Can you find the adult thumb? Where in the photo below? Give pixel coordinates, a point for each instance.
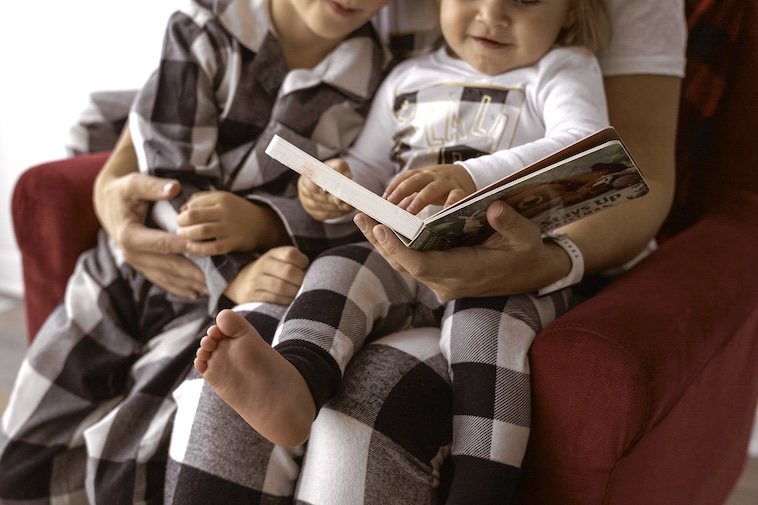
(150, 188)
(505, 220)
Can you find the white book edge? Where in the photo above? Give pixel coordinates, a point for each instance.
(344, 188)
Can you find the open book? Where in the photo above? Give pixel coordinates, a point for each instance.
(592, 174)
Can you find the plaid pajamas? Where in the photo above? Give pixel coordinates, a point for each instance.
(91, 413)
(382, 440)
(385, 438)
(351, 294)
(215, 456)
(222, 91)
(92, 407)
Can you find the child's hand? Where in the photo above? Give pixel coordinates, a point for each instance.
(319, 204)
(220, 222)
(275, 277)
(433, 185)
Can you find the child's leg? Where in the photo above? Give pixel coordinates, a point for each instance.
(255, 380)
(486, 341)
(215, 457)
(92, 398)
(349, 293)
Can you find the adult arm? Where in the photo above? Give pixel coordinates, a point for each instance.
(515, 260)
(644, 110)
(122, 198)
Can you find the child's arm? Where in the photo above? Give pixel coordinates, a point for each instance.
(433, 185)
(319, 204)
(220, 222)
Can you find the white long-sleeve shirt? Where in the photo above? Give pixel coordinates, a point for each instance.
(438, 109)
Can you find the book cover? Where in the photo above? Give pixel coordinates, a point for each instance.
(584, 178)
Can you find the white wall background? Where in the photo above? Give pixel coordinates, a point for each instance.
(53, 54)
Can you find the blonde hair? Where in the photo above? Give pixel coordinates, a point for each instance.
(591, 28)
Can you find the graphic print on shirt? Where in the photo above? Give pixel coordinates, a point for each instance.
(453, 122)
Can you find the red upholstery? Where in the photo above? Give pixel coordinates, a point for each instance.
(644, 394)
(54, 222)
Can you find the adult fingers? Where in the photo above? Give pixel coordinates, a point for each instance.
(174, 273)
(383, 240)
(139, 238)
(519, 232)
(149, 188)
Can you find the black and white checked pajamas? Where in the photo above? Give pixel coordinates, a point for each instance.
(91, 413)
(381, 440)
(384, 438)
(351, 295)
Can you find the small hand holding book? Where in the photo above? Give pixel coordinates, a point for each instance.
(586, 177)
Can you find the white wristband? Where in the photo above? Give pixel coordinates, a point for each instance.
(577, 263)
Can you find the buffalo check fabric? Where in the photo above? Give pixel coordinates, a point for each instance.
(100, 122)
(715, 30)
(350, 297)
(384, 436)
(222, 91)
(351, 294)
(92, 411)
(407, 28)
(89, 417)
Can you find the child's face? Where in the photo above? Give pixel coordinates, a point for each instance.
(495, 36)
(335, 19)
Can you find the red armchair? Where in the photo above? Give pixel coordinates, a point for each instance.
(644, 394)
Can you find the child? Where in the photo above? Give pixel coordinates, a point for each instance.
(232, 77)
(233, 73)
(498, 86)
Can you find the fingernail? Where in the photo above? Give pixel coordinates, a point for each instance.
(497, 207)
(380, 234)
(167, 188)
(360, 222)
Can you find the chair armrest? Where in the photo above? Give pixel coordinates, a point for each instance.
(54, 222)
(605, 373)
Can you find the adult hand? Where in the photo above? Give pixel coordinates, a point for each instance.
(514, 260)
(155, 253)
(275, 277)
(122, 198)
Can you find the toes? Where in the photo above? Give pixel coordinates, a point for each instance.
(201, 365)
(202, 354)
(208, 343)
(215, 333)
(233, 324)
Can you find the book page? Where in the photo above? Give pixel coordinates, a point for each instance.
(553, 196)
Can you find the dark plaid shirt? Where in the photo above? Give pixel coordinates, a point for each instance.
(715, 27)
(222, 91)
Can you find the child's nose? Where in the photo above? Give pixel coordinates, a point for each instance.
(494, 12)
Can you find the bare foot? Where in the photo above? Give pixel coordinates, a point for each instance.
(256, 381)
